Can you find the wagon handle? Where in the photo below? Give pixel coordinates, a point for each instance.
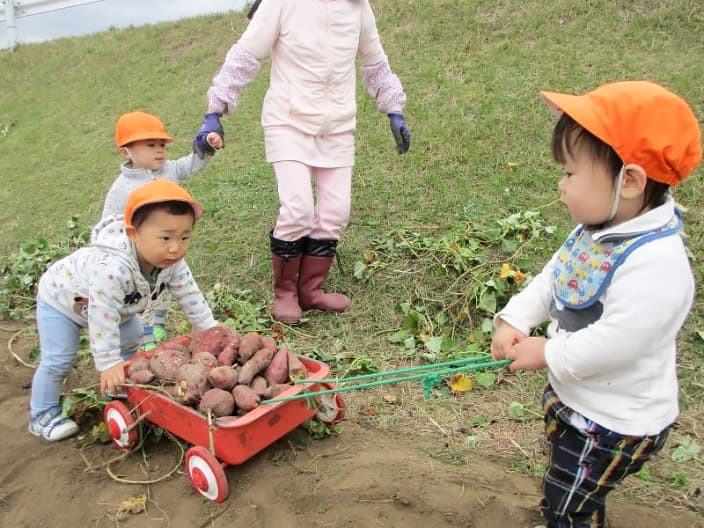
(445, 372)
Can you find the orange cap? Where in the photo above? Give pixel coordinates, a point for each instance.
(156, 191)
(643, 122)
(134, 126)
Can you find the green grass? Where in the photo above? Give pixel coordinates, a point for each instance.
(472, 71)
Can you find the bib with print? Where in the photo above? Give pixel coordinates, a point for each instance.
(584, 267)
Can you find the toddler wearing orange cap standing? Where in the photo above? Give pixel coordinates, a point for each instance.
(615, 294)
(105, 287)
(142, 139)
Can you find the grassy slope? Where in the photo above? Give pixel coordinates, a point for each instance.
(472, 71)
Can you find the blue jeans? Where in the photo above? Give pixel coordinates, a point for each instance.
(58, 345)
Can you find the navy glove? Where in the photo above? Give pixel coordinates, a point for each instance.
(211, 123)
(400, 132)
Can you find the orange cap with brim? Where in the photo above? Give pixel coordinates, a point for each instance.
(157, 191)
(643, 122)
(136, 126)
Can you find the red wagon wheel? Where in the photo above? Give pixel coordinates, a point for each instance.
(206, 474)
(118, 419)
(331, 407)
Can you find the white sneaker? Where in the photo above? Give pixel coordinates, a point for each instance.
(52, 427)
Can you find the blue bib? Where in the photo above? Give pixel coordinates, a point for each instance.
(584, 267)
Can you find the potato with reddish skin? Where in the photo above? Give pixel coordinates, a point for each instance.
(259, 385)
(220, 402)
(269, 342)
(223, 377)
(166, 361)
(192, 382)
(229, 354)
(277, 370)
(248, 346)
(142, 377)
(138, 364)
(212, 340)
(296, 369)
(259, 361)
(206, 359)
(245, 398)
(272, 391)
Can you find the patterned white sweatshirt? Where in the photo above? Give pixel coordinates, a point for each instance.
(101, 286)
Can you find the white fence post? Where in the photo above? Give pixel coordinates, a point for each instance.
(11, 23)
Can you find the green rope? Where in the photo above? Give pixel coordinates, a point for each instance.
(460, 361)
(431, 376)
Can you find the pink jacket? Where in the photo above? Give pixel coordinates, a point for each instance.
(313, 46)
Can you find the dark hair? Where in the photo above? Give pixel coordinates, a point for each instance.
(568, 133)
(174, 207)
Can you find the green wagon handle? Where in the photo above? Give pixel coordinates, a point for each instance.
(474, 359)
(436, 375)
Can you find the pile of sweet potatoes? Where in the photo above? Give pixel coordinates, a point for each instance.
(221, 371)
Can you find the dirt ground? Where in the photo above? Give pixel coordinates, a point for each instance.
(364, 477)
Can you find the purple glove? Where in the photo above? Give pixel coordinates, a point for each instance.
(400, 132)
(211, 123)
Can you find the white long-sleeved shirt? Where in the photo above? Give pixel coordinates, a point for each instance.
(619, 370)
(101, 286)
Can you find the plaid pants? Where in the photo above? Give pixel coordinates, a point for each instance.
(586, 463)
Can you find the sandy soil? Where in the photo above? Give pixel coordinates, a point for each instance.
(362, 478)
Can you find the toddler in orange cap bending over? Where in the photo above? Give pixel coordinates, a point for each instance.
(615, 294)
(104, 287)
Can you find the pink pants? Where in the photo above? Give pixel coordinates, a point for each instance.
(299, 215)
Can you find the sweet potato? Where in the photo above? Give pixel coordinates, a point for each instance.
(277, 370)
(220, 402)
(166, 361)
(259, 361)
(212, 340)
(229, 354)
(245, 398)
(269, 342)
(192, 382)
(206, 359)
(248, 346)
(223, 377)
(137, 364)
(272, 391)
(142, 377)
(296, 369)
(259, 385)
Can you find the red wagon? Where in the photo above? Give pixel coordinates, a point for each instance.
(225, 441)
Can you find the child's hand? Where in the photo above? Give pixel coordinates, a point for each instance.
(505, 338)
(205, 141)
(529, 354)
(214, 140)
(112, 379)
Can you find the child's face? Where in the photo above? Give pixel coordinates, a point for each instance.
(586, 188)
(146, 153)
(162, 239)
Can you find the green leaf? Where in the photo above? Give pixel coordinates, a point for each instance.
(399, 336)
(359, 268)
(487, 326)
(487, 302)
(687, 450)
(485, 379)
(435, 344)
(410, 343)
(517, 411)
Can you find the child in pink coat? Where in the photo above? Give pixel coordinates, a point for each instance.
(309, 118)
